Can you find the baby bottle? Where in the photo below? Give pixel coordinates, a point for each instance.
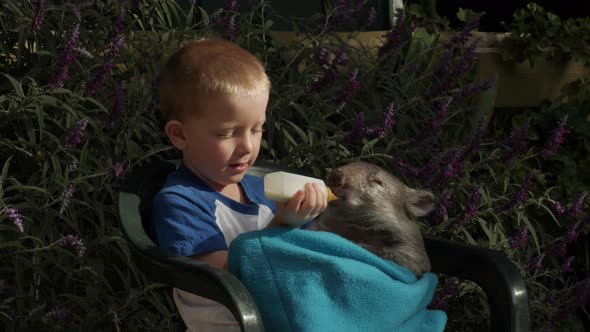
(281, 186)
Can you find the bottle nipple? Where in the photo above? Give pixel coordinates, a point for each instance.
(331, 196)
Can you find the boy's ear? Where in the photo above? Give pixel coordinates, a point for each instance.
(175, 132)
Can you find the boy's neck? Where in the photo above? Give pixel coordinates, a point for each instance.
(235, 192)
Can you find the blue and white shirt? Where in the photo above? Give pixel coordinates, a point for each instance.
(190, 218)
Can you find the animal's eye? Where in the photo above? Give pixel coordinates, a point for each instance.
(374, 178)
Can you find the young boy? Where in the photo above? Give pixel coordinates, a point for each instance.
(214, 96)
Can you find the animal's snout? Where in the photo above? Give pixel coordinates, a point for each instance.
(335, 178)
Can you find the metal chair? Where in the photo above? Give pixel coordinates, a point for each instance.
(491, 270)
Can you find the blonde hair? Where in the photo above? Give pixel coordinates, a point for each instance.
(205, 67)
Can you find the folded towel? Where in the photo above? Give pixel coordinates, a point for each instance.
(318, 281)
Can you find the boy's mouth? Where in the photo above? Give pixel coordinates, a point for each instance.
(239, 166)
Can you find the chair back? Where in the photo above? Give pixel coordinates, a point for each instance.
(135, 202)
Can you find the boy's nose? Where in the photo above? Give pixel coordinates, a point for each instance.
(246, 144)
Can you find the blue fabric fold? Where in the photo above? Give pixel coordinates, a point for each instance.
(318, 281)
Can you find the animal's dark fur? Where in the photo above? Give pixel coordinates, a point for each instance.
(376, 211)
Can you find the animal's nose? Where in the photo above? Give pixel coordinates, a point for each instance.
(335, 178)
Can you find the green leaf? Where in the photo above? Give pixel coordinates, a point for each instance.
(16, 86)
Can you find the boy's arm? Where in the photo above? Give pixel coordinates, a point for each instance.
(305, 205)
(213, 258)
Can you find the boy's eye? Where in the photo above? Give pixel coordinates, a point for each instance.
(225, 134)
(258, 130)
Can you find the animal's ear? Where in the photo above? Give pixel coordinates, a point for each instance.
(420, 202)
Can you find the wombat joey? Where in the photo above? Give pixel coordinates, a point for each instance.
(376, 211)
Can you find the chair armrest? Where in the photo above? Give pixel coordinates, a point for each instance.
(497, 275)
(182, 272)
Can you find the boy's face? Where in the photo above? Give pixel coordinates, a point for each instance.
(223, 140)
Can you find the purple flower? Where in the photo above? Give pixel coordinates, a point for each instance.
(471, 209)
(60, 313)
(567, 265)
(118, 106)
(232, 6)
(39, 15)
(322, 55)
(453, 166)
(119, 24)
(350, 90)
(574, 211)
(403, 165)
(372, 16)
(441, 211)
(232, 29)
(340, 57)
(557, 138)
(340, 15)
(432, 131)
(475, 88)
(519, 196)
(360, 129)
(429, 171)
(559, 249)
(441, 297)
(516, 144)
(463, 35)
(76, 11)
(320, 84)
(536, 263)
(388, 121)
(329, 76)
(65, 59)
(572, 233)
(77, 135)
(66, 197)
(441, 114)
(562, 210)
(16, 218)
(73, 242)
(118, 169)
(226, 17)
(519, 239)
(96, 83)
(475, 142)
(398, 35)
(457, 60)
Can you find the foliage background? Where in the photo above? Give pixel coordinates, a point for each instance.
(78, 110)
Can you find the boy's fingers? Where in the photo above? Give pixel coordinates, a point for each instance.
(295, 202)
(310, 198)
(320, 201)
(323, 200)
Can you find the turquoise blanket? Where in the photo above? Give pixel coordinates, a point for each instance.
(318, 281)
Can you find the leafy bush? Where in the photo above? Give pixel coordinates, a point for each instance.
(78, 111)
(536, 32)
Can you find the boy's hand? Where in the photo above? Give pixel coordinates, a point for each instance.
(303, 206)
